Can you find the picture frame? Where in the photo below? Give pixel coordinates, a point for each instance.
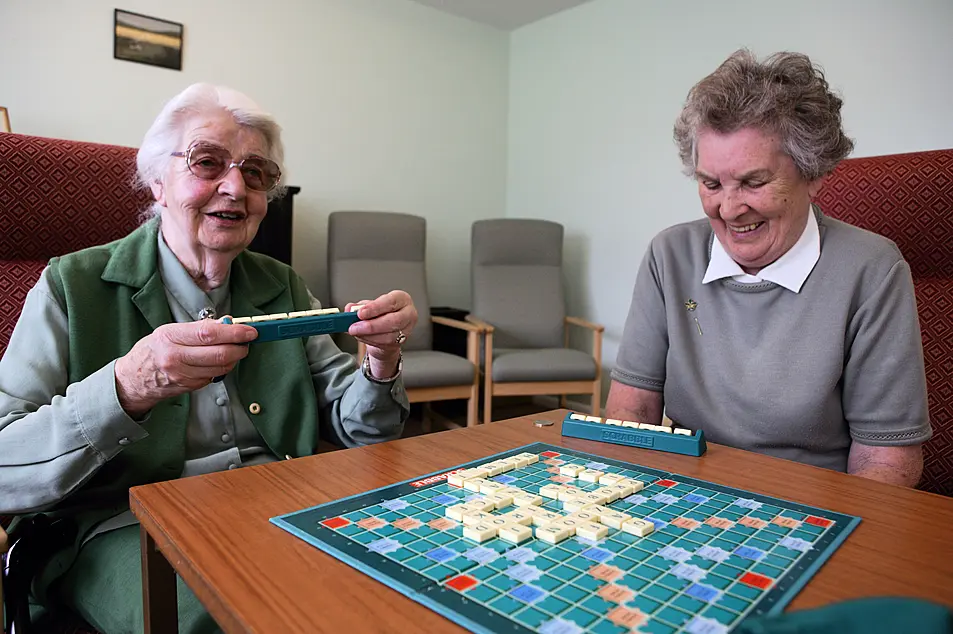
(5, 120)
(147, 40)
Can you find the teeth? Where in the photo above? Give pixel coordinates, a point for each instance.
(746, 228)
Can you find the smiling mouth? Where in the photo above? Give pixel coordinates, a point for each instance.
(227, 215)
(746, 228)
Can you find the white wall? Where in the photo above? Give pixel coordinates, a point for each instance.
(386, 104)
(594, 93)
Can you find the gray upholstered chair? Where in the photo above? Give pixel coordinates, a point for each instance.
(518, 298)
(371, 253)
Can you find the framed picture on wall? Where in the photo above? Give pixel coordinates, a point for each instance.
(147, 40)
(4, 120)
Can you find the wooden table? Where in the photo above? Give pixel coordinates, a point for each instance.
(254, 577)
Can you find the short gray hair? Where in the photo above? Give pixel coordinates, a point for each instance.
(786, 95)
(164, 135)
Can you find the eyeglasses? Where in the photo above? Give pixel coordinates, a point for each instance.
(210, 162)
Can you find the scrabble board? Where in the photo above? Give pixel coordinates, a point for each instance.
(619, 548)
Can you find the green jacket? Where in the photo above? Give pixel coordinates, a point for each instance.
(114, 296)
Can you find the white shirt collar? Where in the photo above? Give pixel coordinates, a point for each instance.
(790, 270)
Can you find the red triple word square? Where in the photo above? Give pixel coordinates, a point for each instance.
(755, 580)
(462, 583)
(335, 522)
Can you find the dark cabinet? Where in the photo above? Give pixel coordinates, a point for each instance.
(274, 233)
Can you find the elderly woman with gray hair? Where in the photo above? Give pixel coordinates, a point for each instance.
(769, 325)
(109, 378)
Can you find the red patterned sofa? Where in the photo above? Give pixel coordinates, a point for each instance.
(909, 199)
(58, 196)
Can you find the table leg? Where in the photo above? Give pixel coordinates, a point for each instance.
(159, 609)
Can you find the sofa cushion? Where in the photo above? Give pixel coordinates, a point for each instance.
(546, 364)
(430, 368)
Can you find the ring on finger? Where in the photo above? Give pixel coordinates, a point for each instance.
(401, 338)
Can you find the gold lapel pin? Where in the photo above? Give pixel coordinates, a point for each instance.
(690, 306)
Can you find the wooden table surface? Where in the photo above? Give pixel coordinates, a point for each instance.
(254, 577)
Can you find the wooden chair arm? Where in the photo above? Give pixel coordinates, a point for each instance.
(476, 321)
(576, 321)
(456, 323)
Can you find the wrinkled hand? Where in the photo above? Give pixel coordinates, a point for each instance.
(178, 358)
(381, 321)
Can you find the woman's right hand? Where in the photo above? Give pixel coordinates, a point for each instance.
(178, 358)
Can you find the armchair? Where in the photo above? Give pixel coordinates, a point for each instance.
(518, 298)
(56, 196)
(909, 199)
(371, 253)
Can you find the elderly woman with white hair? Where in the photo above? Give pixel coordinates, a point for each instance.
(109, 378)
(769, 325)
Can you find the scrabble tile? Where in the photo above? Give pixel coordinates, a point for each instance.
(630, 423)
(457, 511)
(489, 486)
(474, 484)
(593, 419)
(613, 421)
(527, 499)
(480, 532)
(574, 504)
(571, 470)
(569, 492)
(530, 457)
(515, 533)
(682, 432)
(457, 479)
(503, 465)
(614, 519)
(550, 491)
(577, 417)
(609, 478)
(586, 515)
(500, 500)
(475, 517)
(590, 475)
(519, 516)
(494, 468)
(552, 534)
(481, 505)
(591, 530)
(542, 517)
(637, 485)
(638, 527)
(594, 498)
(611, 494)
(569, 523)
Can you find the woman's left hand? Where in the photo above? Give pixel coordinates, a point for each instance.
(385, 323)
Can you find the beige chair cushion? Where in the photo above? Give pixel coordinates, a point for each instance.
(429, 368)
(547, 364)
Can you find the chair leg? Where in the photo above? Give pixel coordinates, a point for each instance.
(488, 379)
(473, 406)
(426, 418)
(564, 402)
(487, 402)
(596, 396)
